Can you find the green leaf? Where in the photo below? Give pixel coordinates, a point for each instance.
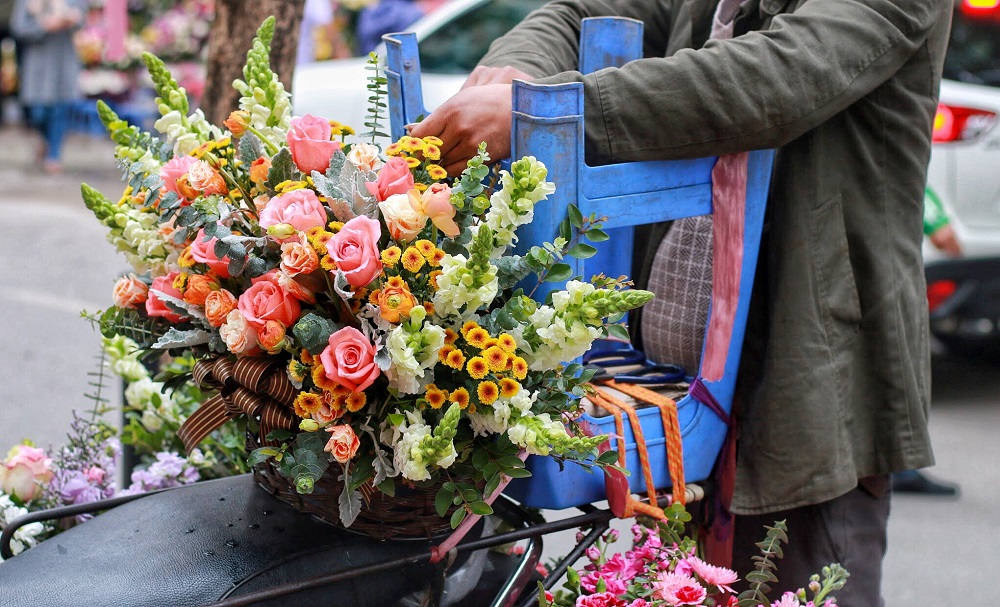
(313, 332)
(388, 487)
(250, 148)
(582, 251)
(575, 216)
(481, 508)
(260, 455)
(457, 517)
(559, 272)
(596, 235)
(442, 500)
(517, 473)
(280, 435)
(618, 331)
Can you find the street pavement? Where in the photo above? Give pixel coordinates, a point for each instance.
(54, 262)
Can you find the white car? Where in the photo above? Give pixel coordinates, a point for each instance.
(964, 172)
(452, 38)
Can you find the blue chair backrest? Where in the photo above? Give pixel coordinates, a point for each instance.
(548, 123)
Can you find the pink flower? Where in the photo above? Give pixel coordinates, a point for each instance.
(130, 291)
(393, 178)
(349, 360)
(787, 600)
(300, 209)
(601, 599)
(267, 300)
(239, 336)
(435, 203)
(25, 472)
(365, 157)
(617, 573)
(203, 251)
(309, 142)
(175, 168)
(205, 179)
(95, 474)
(343, 443)
(355, 250)
(639, 603)
(720, 577)
(677, 589)
(155, 306)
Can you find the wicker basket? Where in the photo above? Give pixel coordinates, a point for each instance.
(259, 389)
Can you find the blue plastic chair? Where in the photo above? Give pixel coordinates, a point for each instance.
(548, 124)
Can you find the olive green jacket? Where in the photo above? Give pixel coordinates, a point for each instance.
(835, 384)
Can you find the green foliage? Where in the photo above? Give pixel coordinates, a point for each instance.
(313, 332)
(764, 566)
(376, 99)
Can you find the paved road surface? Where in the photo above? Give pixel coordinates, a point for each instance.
(54, 262)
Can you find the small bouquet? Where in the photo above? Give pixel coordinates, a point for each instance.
(387, 296)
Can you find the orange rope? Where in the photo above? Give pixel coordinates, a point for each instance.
(671, 429)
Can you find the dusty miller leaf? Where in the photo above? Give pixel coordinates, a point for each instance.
(175, 338)
(350, 500)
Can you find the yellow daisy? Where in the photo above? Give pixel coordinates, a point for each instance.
(307, 403)
(436, 397)
(186, 260)
(519, 367)
(393, 149)
(321, 380)
(432, 140)
(477, 367)
(355, 401)
(509, 387)
(507, 342)
(412, 259)
(487, 392)
(297, 370)
(460, 397)
(468, 326)
(432, 152)
(455, 359)
(425, 247)
(327, 263)
(412, 163)
(436, 171)
(477, 337)
(390, 256)
(450, 336)
(496, 358)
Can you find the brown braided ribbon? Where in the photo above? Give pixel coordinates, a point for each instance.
(250, 386)
(672, 434)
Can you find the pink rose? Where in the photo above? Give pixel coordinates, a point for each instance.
(355, 250)
(343, 443)
(25, 472)
(309, 142)
(300, 209)
(435, 203)
(349, 360)
(394, 178)
(239, 336)
(203, 251)
(175, 168)
(130, 291)
(267, 300)
(165, 285)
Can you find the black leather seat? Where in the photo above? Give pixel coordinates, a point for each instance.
(201, 543)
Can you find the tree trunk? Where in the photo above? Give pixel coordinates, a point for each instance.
(236, 22)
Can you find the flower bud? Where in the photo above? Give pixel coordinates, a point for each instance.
(304, 484)
(237, 122)
(308, 425)
(281, 231)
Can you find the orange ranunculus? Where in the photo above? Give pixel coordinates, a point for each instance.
(259, 169)
(198, 288)
(130, 291)
(343, 443)
(217, 305)
(395, 301)
(272, 336)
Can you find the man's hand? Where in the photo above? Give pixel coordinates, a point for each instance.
(494, 75)
(945, 240)
(474, 115)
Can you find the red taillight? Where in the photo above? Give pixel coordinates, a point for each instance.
(955, 123)
(938, 292)
(980, 8)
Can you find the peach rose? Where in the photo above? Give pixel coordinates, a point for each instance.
(309, 142)
(240, 337)
(343, 443)
(25, 472)
(365, 157)
(300, 209)
(272, 337)
(355, 250)
(267, 300)
(218, 304)
(203, 251)
(349, 360)
(395, 301)
(198, 288)
(403, 215)
(205, 179)
(298, 258)
(259, 169)
(130, 291)
(394, 178)
(155, 306)
(173, 170)
(435, 203)
(298, 290)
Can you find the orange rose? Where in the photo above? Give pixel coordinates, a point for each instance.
(343, 443)
(217, 305)
(298, 258)
(259, 169)
(395, 301)
(130, 292)
(198, 288)
(184, 188)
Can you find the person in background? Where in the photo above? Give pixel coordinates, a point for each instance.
(316, 17)
(834, 385)
(50, 68)
(384, 17)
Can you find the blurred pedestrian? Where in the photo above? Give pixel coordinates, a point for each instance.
(384, 17)
(834, 386)
(50, 68)
(316, 18)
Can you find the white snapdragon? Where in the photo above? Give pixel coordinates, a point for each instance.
(413, 348)
(27, 535)
(513, 205)
(461, 289)
(500, 416)
(407, 455)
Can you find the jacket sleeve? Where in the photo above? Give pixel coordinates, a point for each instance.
(23, 25)
(558, 25)
(759, 90)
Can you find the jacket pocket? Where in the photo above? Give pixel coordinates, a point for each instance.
(838, 291)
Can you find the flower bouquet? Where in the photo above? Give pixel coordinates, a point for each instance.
(364, 313)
